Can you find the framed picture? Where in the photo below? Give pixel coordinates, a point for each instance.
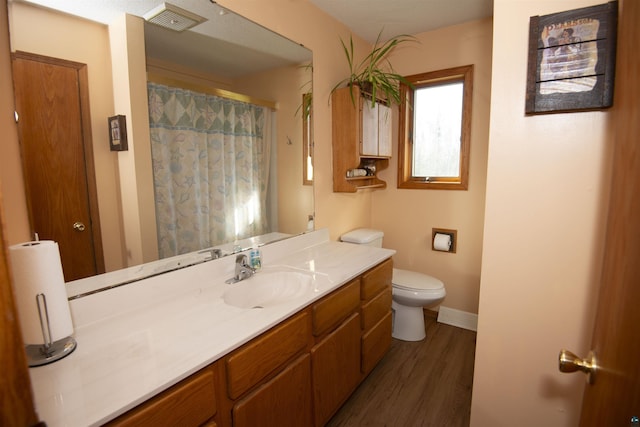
(572, 59)
(118, 133)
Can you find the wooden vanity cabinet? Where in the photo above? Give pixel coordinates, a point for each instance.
(361, 137)
(298, 373)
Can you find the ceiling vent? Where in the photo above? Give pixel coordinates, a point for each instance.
(172, 17)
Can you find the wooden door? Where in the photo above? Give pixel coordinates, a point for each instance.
(54, 132)
(614, 398)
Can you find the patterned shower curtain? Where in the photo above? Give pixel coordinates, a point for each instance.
(210, 168)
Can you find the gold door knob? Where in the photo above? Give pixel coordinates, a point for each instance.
(78, 226)
(569, 362)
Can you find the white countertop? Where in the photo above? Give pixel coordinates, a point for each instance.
(137, 340)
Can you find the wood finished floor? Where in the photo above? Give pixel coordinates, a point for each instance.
(425, 383)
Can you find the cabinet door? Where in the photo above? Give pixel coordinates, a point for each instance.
(284, 401)
(369, 124)
(375, 343)
(335, 367)
(384, 130)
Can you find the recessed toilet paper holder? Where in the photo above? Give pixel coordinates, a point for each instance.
(452, 233)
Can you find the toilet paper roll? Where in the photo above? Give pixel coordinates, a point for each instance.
(442, 242)
(37, 269)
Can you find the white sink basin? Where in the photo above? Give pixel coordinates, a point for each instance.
(267, 289)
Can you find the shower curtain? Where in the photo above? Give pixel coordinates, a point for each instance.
(210, 168)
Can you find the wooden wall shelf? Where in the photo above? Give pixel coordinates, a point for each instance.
(349, 128)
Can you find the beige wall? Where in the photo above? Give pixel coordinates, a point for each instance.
(126, 37)
(407, 216)
(58, 36)
(544, 222)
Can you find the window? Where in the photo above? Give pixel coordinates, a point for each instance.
(435, 127)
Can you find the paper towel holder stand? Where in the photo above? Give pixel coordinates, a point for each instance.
(450, 232)
(50, 351)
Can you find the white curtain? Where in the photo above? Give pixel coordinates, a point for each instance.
(210, 166)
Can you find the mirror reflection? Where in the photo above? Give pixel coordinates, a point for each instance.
(215, 159)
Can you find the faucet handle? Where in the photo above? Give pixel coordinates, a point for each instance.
(243, 260)
(213, 253)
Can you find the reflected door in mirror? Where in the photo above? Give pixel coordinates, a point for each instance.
(53, 128)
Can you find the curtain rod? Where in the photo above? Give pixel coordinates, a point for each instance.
(173, 82)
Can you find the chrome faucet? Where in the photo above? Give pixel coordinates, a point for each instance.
(243, 269)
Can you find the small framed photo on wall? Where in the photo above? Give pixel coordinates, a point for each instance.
(572, 59)
(118, 133)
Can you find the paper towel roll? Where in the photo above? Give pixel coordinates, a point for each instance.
(442, 242)
(37, 268)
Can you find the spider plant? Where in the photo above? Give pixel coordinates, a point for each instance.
(374, 74)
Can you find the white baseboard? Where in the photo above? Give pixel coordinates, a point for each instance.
(461, 319)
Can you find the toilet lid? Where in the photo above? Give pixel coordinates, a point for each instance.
(414, 280)
(361, 236)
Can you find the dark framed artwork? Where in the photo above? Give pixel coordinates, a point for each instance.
(118, 133)
(572, 59)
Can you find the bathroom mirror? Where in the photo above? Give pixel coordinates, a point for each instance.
(222, 51)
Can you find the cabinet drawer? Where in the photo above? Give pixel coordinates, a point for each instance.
(375, 343)
(376, 309)
(257, 359)
(191, 402)
(284, 401)
(376, 279)
(333, 309)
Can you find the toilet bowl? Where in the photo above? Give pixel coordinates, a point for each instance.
(411, 291)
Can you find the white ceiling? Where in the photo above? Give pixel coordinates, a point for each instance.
(368, 18)
(365, 18)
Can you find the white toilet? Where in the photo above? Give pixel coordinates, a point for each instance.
(411, 291)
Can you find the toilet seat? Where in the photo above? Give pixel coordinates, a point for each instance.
(414, 281)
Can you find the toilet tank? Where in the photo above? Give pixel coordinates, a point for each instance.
(364, 236)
